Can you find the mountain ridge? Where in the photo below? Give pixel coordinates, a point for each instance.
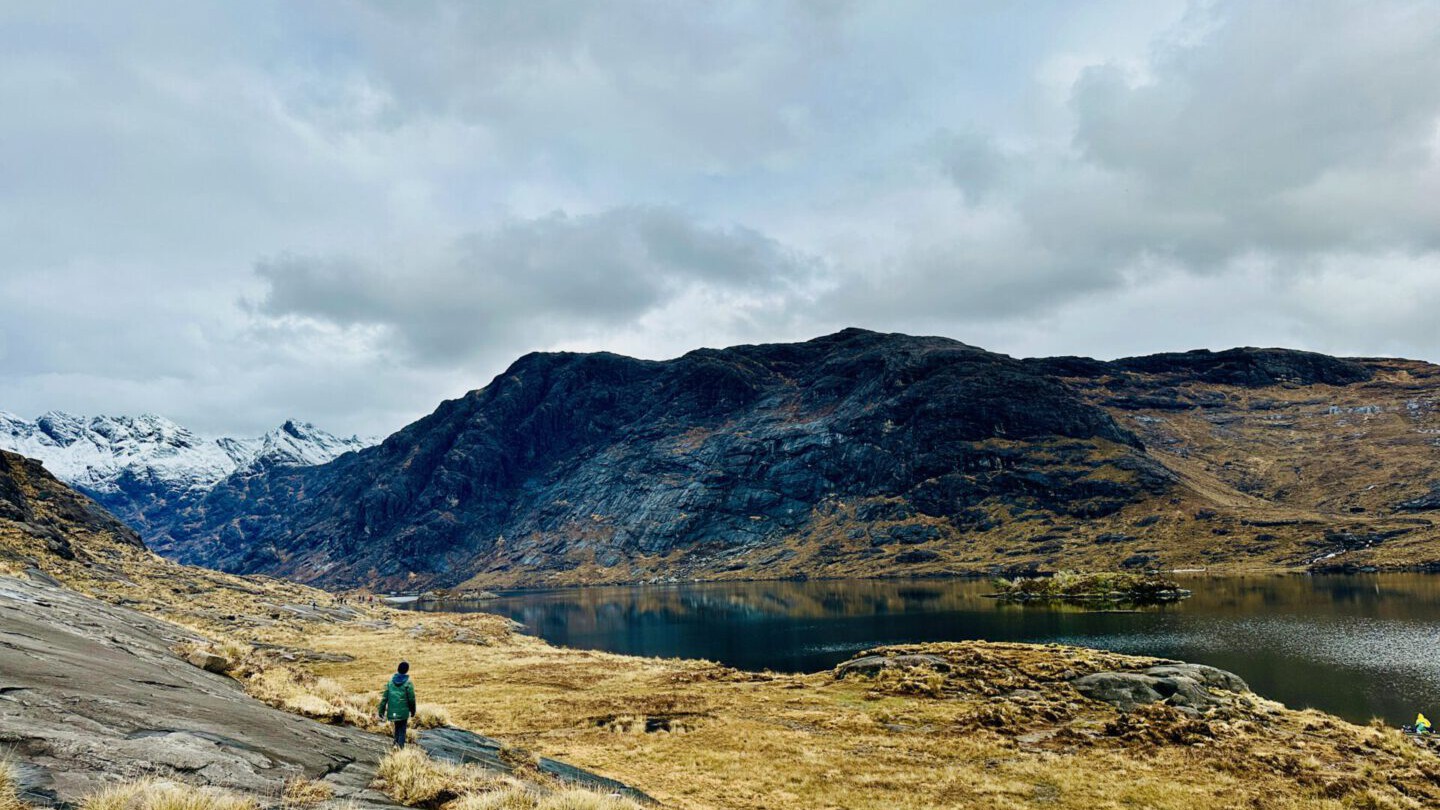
(855, 454)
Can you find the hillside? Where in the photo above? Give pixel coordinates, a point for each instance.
(852, 452)
(52, 534)
(1288, 458)
(179, 686)
(857, 454)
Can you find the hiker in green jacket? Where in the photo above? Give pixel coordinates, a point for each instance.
(397, 702)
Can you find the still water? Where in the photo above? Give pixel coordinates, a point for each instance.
(1358, 646)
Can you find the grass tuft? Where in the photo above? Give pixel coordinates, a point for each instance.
(159, 794)
(302, 792)
(411, 777)
(428, 715)
(9, 790)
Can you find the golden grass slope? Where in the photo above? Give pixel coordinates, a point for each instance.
(1291, 476)
(1002, 729)
(164, 794)
(107, 564)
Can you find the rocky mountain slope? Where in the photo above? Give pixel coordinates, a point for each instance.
(857, 447)
(144, 468)
(120, 666)
(857, 454)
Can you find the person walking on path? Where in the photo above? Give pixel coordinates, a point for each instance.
(397, 702)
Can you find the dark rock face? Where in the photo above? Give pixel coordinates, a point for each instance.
(1247, 367)
(568, 460)
(1426, 502)
(24, 482)
(1253, 367)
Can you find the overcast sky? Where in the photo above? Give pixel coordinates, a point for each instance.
(234, 213)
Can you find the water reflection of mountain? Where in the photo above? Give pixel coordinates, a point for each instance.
(1340, 643)
(755, 599)
(1392, 596)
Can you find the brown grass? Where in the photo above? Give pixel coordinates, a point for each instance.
(527, 799)
(160, 794)
(917, 739)
(302, 792)
(412, 778)
(9, 791)
(296, 689)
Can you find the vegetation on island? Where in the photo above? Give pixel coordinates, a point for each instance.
(1071, 586)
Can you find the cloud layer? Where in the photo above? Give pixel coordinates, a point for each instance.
(347, 211)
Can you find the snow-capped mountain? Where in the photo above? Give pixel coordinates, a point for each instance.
(150, 471)
(96, 453)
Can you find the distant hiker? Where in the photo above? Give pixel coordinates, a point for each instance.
(397, 702)
(1422, 723)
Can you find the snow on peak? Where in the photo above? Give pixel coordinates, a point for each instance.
(96, 453)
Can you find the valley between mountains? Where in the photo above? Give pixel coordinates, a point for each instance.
(853, 454)
(132, 681)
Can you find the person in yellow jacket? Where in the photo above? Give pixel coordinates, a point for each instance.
(1422, 723)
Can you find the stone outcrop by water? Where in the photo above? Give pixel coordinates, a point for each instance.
(1182, 685)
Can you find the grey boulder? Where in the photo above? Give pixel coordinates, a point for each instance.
(873, 664)
(1212, 677)
(1181, 685)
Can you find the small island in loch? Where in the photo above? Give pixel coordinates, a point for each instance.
(1101, 587)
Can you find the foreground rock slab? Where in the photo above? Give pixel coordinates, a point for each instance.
(91, 694)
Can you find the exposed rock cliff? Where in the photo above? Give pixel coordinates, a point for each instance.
(566, 461)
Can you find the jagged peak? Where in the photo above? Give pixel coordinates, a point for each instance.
(96, 452)
(297, 429)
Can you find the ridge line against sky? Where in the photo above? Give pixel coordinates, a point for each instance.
(345, 212)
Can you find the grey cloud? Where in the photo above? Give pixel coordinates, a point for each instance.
(534, 281)
(949, 167)
(1286, 132)
(598, 86)
(1245, 139)
(973, 162)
